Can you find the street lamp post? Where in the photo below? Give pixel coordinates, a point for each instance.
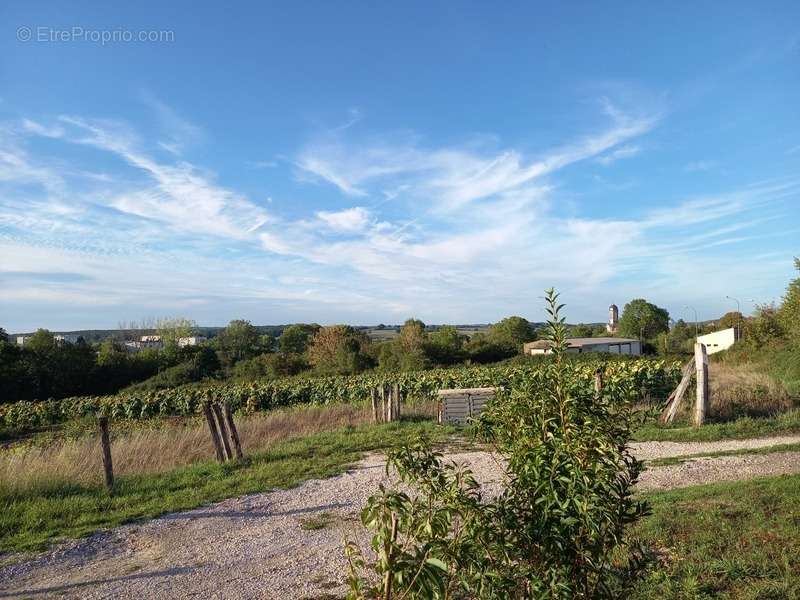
(738, 315)
(696, 330)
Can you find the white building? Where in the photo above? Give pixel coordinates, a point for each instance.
(59, 338)
(146, 341)
(612, 345)
(191, 341)
(718, 341)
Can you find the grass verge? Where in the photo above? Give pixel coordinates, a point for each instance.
(676, 460)
(32, 517)
(743, 428)
(730, 540)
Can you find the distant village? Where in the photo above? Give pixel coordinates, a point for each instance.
(143, 343)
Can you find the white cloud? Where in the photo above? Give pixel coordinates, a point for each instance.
(453, 233)
(348, 220)
(182, 196)
(452, 178)
(39, 129)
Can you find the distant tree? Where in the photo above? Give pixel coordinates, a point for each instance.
(269, 366)
(789, 312)
(296, 338)
(642, 320)
(412, 335)
(512, 333)
(3, 335)
(482, 348)
(15, 375)
(339, 350)
(205, 362)
(172, 329)
(446, 345)
(585, 330)
(408, 351)
(41, 342)
(729, 319)
(238, 341)
(765, 327)
(677, 341)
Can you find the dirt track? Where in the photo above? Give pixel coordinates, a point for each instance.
(254, 546)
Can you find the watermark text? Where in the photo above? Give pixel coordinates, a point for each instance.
(42, 34)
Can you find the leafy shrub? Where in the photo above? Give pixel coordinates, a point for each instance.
(557, 530)
(270, 365)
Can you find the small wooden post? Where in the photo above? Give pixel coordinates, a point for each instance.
(598, 382)
(374, 397)
(701, 364)
(106, 444)
(212, 427)
(387, 403)
(237, 444)
(223, 431)
(396, 405)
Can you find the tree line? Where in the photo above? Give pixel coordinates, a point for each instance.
(45, 367)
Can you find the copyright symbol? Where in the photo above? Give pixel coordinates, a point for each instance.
(24, 34)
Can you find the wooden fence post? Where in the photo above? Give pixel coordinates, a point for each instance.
(373, 394)
(223, 431)
(387, 402)
(237, 444)
(212, 427)
(598, 382)
(396, 404)
(106, 444)
(674, 401)
(701, 364)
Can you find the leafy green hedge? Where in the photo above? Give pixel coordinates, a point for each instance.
(653, 377)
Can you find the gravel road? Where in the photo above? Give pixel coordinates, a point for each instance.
(254, 546)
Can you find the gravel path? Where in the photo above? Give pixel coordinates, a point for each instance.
(652, 450)
(255, 547)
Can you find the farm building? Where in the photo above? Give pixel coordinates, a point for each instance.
(191, 341)
(719, 340)
(613, 345)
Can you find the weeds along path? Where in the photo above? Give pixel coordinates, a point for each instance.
(288, 543)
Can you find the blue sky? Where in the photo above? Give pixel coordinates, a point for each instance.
(366, 162)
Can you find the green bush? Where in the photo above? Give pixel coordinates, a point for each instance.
(557, 529)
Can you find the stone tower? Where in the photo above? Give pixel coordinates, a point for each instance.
(613, 319)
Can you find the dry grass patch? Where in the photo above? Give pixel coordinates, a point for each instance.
(741, 391)
(173, 443)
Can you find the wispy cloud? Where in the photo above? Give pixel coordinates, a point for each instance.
(349, 220)
(411, 230)
(453, 178)
(181, 195)
(619, 153)
(180, 132)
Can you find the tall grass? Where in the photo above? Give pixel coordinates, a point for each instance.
(743, 391)
(170, 444)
